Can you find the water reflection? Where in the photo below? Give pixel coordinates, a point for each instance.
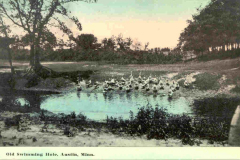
(110, 97)
(98, 105)
(95, 96)
(88, 94)
(121, 96)
(136, 95)
(129, 96)
(21, 101)
(154, 96)
(105, 97)
(79, 95)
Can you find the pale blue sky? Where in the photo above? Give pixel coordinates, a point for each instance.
(158, 22)
(138, 8)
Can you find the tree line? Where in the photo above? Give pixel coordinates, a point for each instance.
(116, 49)
(215, 27)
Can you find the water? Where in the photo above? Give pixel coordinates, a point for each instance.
(98, 106)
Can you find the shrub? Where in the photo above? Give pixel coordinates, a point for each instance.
(20, 121)
(9, 122)
(109, 55)
(212, 129)
(157, 123)
(70, 131)
(72, 120)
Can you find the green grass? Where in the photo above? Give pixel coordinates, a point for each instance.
(236, 89)
(207, 81)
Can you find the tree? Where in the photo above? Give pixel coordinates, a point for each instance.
(47, 43)
(124, 44)
(166, 49)
(137, 45)
(217, 24)
(146, 46)
(109, 43)
(35, 17)
(6, 41)
(86, 41)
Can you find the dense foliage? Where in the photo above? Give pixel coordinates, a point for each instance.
(120, 57)
(157, 123)
(216, 26)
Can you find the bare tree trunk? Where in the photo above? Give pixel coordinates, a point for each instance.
(32, 50)
(10, 59)
(37, 51)
(37, 57)
(32, 55)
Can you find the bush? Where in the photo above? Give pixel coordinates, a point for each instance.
(70, 131)
(119, 57)
(20, 121)
(79, 121)
(9, 122)
(157, 123)
(215, 130)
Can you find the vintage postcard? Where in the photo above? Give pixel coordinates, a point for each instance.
(119, 79)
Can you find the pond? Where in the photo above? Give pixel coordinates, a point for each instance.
(97, 106)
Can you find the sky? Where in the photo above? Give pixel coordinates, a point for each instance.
(158, 22)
